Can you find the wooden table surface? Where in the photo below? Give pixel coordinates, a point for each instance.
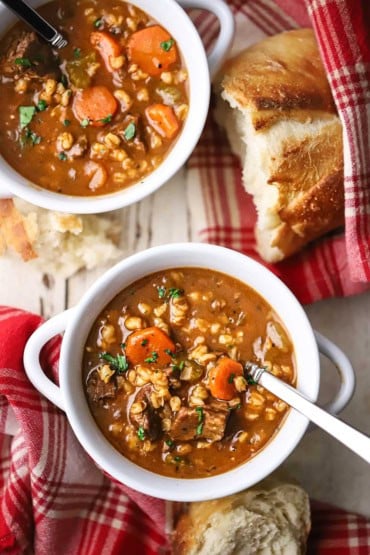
(326, 469)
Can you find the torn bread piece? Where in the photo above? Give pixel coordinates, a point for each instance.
(55, 242)
(275, 104)
(272, 518)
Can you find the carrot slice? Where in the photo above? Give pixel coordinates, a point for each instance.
(107, 47)
(95, 106)
(149, 345)
(221, 378)
(152, 49)
(163, 119)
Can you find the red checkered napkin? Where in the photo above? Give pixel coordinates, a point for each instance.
(340, 264)
(55, 501)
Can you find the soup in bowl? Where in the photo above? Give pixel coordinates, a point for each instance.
(110, 117)
(152, 376)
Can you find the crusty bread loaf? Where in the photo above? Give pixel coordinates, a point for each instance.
(272, 518)
(54, 242)
(276, 106)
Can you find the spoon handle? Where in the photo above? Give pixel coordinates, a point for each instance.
(38, 23)
(353, 439)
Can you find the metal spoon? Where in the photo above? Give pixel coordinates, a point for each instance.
(358, 442)
(38, 23)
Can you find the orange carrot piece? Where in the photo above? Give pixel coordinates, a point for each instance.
(95, 106)
(152, 49)
(163, 120)
(150, 343)
(107, 47)
(221, 378)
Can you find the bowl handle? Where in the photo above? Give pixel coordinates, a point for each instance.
(227, 27)
(31, 357)
(345, 371)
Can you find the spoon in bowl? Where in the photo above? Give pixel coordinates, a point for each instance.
(358, 442)
(38, 23)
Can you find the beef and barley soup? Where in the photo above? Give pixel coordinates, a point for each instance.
(101, 113)
(163, 372)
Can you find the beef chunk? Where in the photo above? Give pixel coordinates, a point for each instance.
(79, 148)
(186, 423)
(36, 57)
(149, 419)
(135, 142)
(98, 391)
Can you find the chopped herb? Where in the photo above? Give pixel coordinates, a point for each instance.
(174, 293)
(169, 442)
(123, 346)
(42, 105)
(117, 363)
(107, 119)
(178, 367)
(141, 433)
(24, 62)
(130, 131)
(167, 45)
(231, 378)
(62, 156)
(26, 114)
(77, 53)
(67, 122)
(64, 81)
(98, 23)
(169, 353)
(161, 291)
(28, 137)
(178, 459)
(199, 429)
(144, 342)
(85, 122)
(152, 358)
(250, 380)
(182, 364)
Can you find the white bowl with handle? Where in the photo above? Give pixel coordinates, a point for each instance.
(171, 15)
(77, 322)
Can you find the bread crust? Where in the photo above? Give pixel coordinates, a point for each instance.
(280, 86)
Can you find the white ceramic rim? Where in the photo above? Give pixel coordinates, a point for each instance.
(105, 289)
(171, 15)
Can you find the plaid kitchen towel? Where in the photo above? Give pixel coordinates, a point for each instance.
(55, 501)
(338, 265)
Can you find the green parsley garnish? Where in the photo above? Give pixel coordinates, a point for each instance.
(178, 459)
(64, 81)
(77, 53)
(29, 137)
(62, 156)
(230, 379)
(24, 62)
(161, 291)
(98, 23)
(199, 429)
(107, 119)
(144, 342)
(26, 114)
(42, 105)
(117, 363)
(152, 358)
(67, 122)
(141, 433)
(169, 442)
(85, 122)
(174, 293)
(130, 131)
(250, 380)
(169, 353)
(167, 45)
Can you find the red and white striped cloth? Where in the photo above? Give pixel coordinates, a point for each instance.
(338, 265)
(54, 500)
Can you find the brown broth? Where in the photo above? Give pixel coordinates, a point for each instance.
(223, 301)
(54, 167)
